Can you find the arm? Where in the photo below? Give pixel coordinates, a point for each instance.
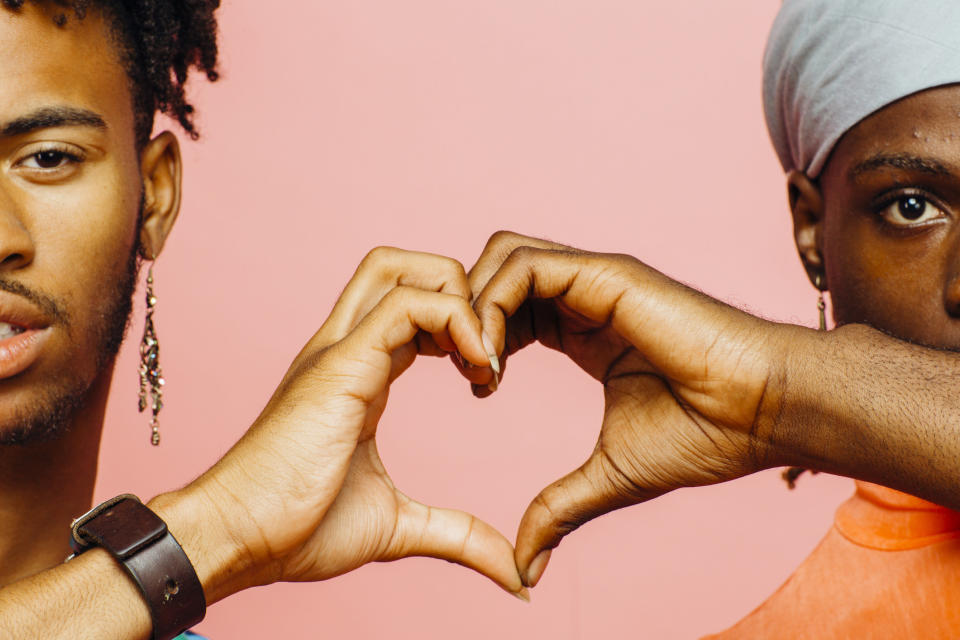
(698, 392)
(88, 598)
(859, 403)
(91, 597)
(303, 495)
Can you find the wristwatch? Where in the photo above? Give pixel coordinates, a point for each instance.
(140, 541)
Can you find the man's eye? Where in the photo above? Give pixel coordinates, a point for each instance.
(49, 159)
(911, 210)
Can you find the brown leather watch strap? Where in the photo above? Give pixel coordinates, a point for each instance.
(140, 541)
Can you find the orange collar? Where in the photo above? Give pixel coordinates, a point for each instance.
(880, 518)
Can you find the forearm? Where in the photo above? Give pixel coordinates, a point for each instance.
(857, 402)
(93, 597)
(89, 597)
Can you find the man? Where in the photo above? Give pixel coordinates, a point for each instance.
(83, 192)
(696, 392)
(864, 110)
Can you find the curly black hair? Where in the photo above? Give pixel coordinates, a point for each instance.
(159, 41)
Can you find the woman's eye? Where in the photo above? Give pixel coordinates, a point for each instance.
(911, 210)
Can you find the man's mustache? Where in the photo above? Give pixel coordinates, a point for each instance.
(53, 310)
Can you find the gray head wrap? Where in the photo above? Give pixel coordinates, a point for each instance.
(831, 63)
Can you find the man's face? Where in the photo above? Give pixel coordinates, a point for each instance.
(891, 229)
(70, 190)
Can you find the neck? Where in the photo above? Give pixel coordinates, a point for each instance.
(43, 486)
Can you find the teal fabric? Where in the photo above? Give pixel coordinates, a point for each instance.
(189, 635)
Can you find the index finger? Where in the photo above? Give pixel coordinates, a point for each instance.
(382, 270)
(587, 283)
(497, 250)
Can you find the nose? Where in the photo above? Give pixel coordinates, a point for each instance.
(951, 296)
(16, 244)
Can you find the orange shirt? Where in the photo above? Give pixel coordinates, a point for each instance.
(888, 568)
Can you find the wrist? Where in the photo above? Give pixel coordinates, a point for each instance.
(221, 563)
(803, 430)
(786, 436)
(140, 541)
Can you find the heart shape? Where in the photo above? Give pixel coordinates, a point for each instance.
(655, 435)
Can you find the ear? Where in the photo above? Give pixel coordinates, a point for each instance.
(160, 169)
(806, 205)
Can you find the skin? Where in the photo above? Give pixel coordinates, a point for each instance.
(274, 507)
(60, 215)
(78, 217)
(880, 229)
(697, 392)
(883, 269)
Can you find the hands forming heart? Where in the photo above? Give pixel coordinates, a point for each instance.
(304, 494)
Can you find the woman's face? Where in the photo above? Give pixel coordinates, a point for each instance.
(889, 235)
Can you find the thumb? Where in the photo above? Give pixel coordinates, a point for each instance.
(460, 537)
(582, 495)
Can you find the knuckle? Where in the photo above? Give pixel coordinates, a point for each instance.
(398, 296)
(616, 268)
(503, 238)
(450, 306)
(454, 267)
(379, 254)
(379, 258)
(620, 259)
(614, 257)
(482, 300)
(460, 305)
(523, 254)
(562, 520)
(545, 503)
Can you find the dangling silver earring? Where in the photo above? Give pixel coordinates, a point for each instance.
(151, 376)
(821, 305)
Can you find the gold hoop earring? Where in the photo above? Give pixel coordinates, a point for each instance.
(151, 376)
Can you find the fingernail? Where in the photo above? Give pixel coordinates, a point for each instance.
(494, 360)
(535, 570)
(523, 594)
(491, 352)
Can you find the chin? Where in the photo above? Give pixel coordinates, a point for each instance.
(32, 415)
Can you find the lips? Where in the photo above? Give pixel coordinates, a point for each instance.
(20, 351)
(23, 333)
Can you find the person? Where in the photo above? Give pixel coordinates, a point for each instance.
(862, 105)
(697, 392)
(885, 136)
(85, 194)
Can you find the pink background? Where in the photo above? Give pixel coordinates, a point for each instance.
(629, 126)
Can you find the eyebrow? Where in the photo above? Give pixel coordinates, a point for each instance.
(906, 161)
(47, 117)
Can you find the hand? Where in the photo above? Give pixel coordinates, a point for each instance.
(685, 377)
(304, 494)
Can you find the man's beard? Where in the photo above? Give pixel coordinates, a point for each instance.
(50, 416)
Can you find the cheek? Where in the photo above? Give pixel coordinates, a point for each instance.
(84, 233)
(891, 282)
